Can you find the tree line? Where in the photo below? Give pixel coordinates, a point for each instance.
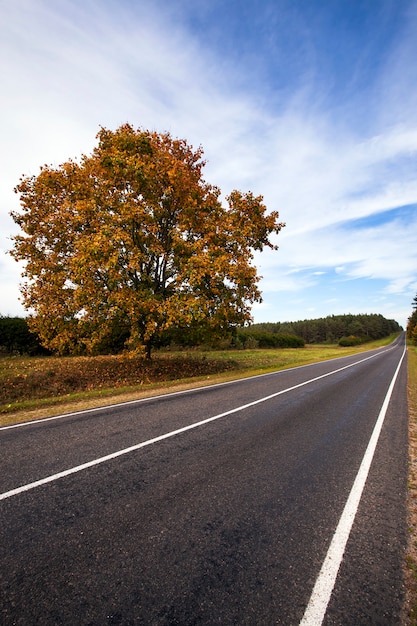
(17, 338)
(333, 329)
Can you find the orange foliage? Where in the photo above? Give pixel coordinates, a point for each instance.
(133, 237)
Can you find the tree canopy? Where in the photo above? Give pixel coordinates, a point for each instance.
(133, 238)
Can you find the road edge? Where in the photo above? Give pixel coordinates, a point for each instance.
(410, 565)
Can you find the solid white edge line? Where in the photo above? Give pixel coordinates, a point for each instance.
(177, 393)
(323, 588)
(79, 468)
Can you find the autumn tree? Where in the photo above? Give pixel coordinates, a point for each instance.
(133, 238)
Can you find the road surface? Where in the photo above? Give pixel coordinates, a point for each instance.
(219, 505)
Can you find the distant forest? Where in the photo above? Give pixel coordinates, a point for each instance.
(16, 338)
(331, 329)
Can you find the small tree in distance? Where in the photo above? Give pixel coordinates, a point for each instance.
(132, 237)
(412, 322)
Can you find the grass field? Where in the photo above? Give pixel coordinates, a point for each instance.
(35, 387)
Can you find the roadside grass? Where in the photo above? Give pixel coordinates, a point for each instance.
(30, 382)
(262, 361)
(36, 387)
(411, 556)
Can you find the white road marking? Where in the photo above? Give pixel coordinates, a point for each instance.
(143, 444)
(323, 588)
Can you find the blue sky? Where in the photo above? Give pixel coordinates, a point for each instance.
(312, 104)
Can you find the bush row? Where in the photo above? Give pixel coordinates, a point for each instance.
(257, 339)
(352, 341)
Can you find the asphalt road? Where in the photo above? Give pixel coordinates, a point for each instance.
(212, 506)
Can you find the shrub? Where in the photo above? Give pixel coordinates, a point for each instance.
(346, 342)
(264, 339)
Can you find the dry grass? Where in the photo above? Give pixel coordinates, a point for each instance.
(411, 557)
(28, 381)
